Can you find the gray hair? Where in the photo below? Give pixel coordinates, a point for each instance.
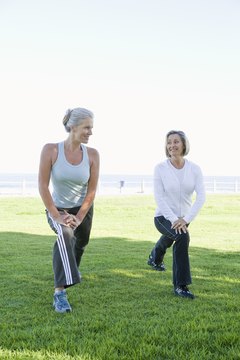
(75, 116)
(186, 145)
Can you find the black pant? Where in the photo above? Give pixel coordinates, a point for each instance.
(69, 248)
(181, 265)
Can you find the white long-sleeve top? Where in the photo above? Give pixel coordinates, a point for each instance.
(173, 194)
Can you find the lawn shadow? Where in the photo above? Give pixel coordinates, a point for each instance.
(129, 259)
(27, 259)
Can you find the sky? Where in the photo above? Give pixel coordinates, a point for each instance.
(142, 67)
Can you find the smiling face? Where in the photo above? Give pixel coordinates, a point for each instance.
(175, 146)
(83, 131)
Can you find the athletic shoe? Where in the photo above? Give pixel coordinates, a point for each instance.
(183, 291)
(154, 266)
(60, 302)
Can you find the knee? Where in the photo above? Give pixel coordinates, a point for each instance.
(67, 232)
(182, 238)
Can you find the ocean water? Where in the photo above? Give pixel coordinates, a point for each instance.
(26, 184)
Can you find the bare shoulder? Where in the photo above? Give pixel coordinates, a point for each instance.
(93, 153)
(50, 148)
(49, 152)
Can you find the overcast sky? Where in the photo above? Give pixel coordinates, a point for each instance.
(143, 67)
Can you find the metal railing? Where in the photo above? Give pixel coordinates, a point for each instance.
(30, 188)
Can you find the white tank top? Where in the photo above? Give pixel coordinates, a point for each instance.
(69, 182)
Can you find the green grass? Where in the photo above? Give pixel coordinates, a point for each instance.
(122, 309)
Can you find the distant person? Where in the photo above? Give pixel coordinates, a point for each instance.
(74, 170)
(175, 181)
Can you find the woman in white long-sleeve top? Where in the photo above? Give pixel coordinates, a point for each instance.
(175, 181)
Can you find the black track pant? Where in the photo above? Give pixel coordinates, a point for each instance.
(68, 248)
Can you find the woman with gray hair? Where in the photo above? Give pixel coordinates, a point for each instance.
(175, 181)
(73, 169)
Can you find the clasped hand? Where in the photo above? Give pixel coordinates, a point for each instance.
(68, 220)
(180, 226)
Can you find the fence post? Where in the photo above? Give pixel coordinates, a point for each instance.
(24, 187)
(214, 185)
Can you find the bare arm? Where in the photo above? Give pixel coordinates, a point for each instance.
(92, 184)
(47, 159)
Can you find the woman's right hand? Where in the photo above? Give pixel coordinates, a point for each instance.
(180, 226)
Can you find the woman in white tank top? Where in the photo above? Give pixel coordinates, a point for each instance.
(73, 169)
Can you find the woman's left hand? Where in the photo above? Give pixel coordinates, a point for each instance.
(73, 222)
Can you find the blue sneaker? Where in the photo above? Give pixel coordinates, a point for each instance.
(60, 302)
(183, 291)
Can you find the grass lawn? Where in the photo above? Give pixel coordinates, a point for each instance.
(122, 309)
